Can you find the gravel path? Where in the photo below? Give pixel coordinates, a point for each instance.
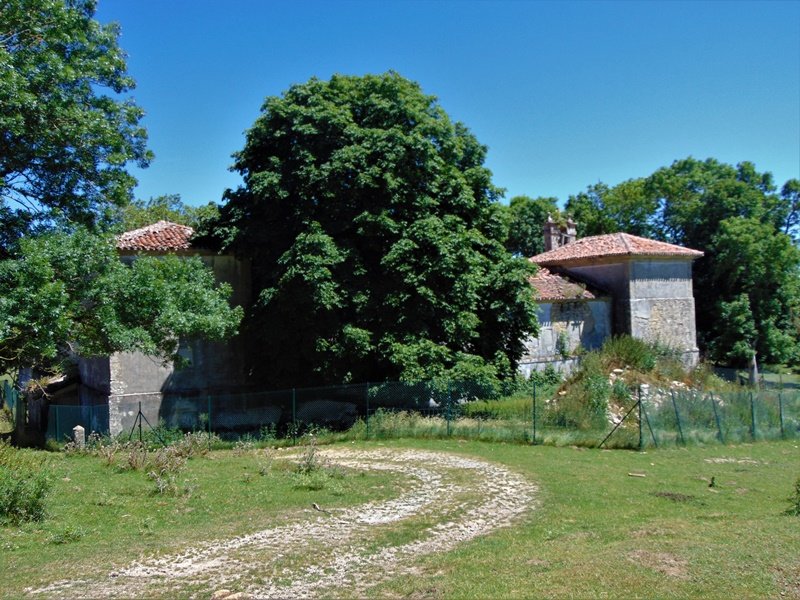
(453, 498)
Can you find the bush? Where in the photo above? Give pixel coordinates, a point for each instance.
(24, 485)
(625, 351)
(794, 500)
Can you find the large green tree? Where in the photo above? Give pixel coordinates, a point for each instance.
(375, 239)
(747, 290)
(66, 136)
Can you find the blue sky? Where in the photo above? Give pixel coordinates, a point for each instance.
(564, 94)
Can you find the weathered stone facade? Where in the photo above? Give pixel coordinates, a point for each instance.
(650, 284)
(563, 328)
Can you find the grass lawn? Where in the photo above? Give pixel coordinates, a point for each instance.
(596, 531)
(600, 532)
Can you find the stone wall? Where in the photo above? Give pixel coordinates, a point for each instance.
(653, 298)
(565, 326)
(125, 378)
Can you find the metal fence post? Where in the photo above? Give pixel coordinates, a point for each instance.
(294, 417)
(58, 429)
(716, 418)
(534, 414)
(752, 418)
(208, 419)
(677, 417)
(639, 404)
(780, 413)
(448, 409)
(366, 401)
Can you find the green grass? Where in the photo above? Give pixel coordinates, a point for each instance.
(599, 532)
(596, 532)
(101, 517)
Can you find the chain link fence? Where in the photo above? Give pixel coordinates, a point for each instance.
(526, 413)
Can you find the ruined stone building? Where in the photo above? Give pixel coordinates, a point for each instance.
(594, 287)
(125, 379)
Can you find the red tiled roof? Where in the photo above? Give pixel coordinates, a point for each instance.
(551, 286)
(162, 236)
(612, 244)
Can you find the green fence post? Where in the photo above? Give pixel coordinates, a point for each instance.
(366, 401)
(752, 418)
(780, 413)
(534, 414)
(208, 419)
(716, 418)
(294, 417)
(448, 410)
(677, 417)
(639, 404)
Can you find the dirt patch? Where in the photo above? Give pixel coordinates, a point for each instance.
(674, 496)
(788, 582)
(663, 562)
(464, 497)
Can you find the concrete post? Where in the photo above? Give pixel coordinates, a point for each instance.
(79, 436)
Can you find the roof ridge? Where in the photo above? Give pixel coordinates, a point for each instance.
(623, 237)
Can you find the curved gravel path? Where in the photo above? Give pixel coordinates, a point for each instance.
(452, 499)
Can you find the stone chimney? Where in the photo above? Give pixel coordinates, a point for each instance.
(555, 236)
(552, 235)
(572, 232)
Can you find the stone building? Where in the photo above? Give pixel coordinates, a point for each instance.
(124, 379)
(571, 315)
(648, 283)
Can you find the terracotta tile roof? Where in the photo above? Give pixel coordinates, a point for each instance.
(162, 236)
(551, 286)
(612, 244)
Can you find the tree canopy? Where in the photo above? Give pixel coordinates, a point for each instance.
(375, 239)
(526, 218)
(66, 137)
(747, 284)
(168, 207)
(69, 293)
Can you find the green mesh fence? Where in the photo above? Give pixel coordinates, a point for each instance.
(436, 409)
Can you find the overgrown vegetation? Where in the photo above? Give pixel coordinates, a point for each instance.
(25, 483)
(794, 500)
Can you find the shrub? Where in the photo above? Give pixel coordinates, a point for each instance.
(164, 467)
(24, 485)
(626, 351)
(794, 500)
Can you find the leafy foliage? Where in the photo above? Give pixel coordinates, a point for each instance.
(66, 140)
(746, 286)
(526, 219)
(67, 136)
(169, 207)
(375, 239)
(71, 293)
(24, 485)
